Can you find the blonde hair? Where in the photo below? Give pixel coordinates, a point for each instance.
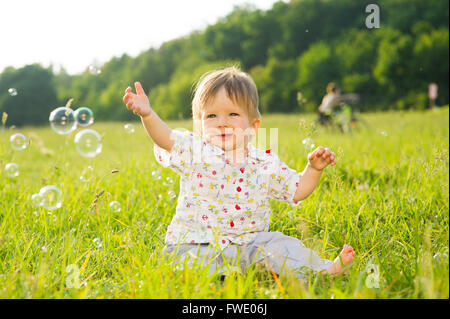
(239, 86)
(332, 87)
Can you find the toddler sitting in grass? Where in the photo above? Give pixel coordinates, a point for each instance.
(223, 207)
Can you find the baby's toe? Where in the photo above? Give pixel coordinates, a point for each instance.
(348, 259)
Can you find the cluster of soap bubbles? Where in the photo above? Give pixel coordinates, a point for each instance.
(18, 142)
(308, 143)
(64, 120)
(169, 180)
(94, 70)
(49, 197)
(171, 194)
(88, 142)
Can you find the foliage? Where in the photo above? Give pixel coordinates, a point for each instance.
(36, 95)
(293, 47)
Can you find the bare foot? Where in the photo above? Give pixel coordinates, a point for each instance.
(345, 258)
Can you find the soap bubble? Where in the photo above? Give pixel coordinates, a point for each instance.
(87, 174)
(97, 242)
(94, 70)
(12, 170)
(308, 143)
(18, 141)
(36, 200)
(129, 128)
(51, 197)
(172, 194)
(115, 206)
(62, 120)
(12, 91)
(168, 181)
(88, 143)
(84, 116)
(156, 175)
(384, 133)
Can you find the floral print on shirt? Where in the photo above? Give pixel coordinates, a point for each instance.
(222, 202)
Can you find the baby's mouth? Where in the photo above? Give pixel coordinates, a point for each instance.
(225, 136)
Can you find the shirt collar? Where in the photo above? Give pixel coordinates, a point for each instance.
(256, 153)
(253, 152)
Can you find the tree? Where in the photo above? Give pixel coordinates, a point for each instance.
(36, 96)
(430, 62)
(316, 68)
(392, 67)
(276, 85)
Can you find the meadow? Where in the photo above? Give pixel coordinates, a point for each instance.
(387, 197)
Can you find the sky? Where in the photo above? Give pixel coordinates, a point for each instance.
(77, 33)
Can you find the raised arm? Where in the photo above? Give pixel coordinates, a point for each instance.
(156, 129)
(317, 161)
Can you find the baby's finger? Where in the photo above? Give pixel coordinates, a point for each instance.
(319, 151)
(333, 157)
(327, 153)
(128, 90)
(314, 154)
(311, 155)
(127, 97)
(139, 89)
(130, 105)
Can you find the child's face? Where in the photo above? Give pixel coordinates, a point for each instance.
(226, 124)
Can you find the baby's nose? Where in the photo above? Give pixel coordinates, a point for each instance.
(222, 121)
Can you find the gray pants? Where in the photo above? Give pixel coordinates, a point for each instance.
(282, 253)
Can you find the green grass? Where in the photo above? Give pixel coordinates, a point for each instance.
(387, 197)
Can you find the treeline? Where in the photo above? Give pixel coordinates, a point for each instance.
(293, 47)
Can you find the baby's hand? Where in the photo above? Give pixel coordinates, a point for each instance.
(139, 102)
(321, 157)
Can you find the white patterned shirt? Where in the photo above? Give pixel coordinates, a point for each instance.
(221, 202)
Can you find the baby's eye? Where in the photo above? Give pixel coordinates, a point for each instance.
(234, 114)
(211, 116)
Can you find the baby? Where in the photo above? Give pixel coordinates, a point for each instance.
(223, 210)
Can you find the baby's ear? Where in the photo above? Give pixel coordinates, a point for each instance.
(256, 124)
